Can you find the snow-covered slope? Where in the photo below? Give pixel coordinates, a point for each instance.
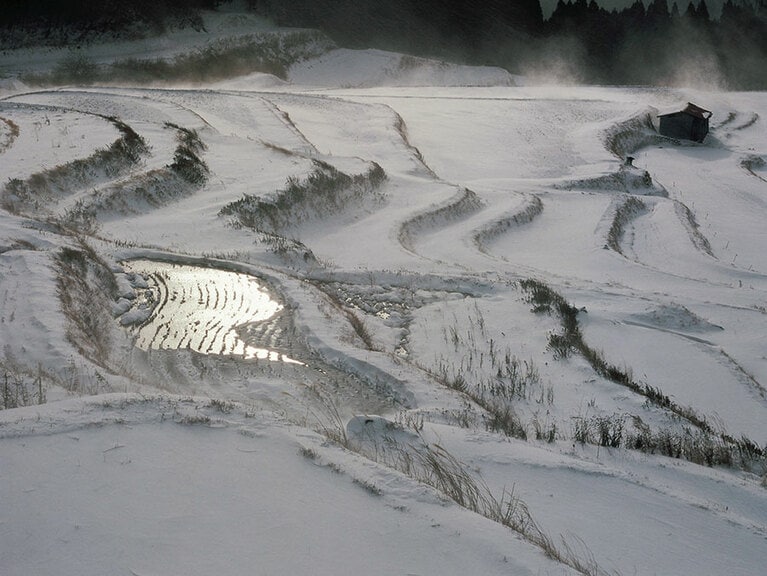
(390, 315)
(368, 68)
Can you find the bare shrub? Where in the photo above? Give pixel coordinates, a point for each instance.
(7, 139)
(503, 418)
(187, 163)
(327, 416)
(607, 431)
(18, 388)
(546, 431)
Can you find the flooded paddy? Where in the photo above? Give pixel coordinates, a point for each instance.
(209, 311)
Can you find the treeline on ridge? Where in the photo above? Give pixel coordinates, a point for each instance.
(61, 21)
(663, 42)
(655, 42)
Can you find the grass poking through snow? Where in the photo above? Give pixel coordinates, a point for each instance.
(699, 442)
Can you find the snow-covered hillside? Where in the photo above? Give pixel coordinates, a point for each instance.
(385, 315)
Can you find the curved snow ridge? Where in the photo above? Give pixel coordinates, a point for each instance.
(184, 174)
(657, 233)
(633, 133)
(145, 105)
(125, 409)
(325, 193)
(752, 164)
(532, 207)
(626, 179)
(461, 205)
(731, 117)
(351, 129)
(138, 194)
(47, 187)
(748, 123)
(694, 486)
(50, 136)
(401, 127)
(734, 115)
(687, 218)
(305, 146)
(673, 318)
(621, 213)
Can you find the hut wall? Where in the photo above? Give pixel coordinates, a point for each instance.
(685, 126)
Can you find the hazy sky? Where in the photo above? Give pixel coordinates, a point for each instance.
(714, 6)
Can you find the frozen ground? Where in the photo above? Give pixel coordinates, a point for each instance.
(233, 311)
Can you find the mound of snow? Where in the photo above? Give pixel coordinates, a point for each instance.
(149, 486)
(675, 317)
(367, 68)
(374, 432)
(626, 179)
(255, 81)
(11, 85)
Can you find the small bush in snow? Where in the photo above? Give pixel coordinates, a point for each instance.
(186, 160)
(19, 389)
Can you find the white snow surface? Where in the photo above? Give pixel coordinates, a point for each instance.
(168, 459)
(368, 68)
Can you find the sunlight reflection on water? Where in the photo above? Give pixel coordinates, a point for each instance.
(202, 309)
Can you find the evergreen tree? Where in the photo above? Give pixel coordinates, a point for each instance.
(702, 13)
(525, 15)
(657, 12)
(635, 14)
(632, 18)
(560, 17)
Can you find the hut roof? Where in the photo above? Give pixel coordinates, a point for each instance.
(693, 110)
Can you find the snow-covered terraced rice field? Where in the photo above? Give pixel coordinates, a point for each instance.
(414, 307)
(47, 136)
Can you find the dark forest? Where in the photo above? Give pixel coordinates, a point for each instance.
(654, 44)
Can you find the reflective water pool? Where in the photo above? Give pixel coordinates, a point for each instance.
(202, 309)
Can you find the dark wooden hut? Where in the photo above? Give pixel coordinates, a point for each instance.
(688, 124)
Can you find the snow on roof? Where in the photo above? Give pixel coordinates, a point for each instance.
(692, 110)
